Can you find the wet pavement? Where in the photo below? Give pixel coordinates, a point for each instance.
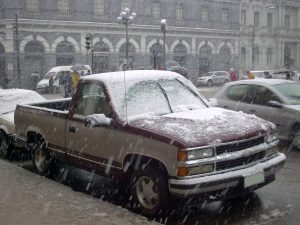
(79, 197)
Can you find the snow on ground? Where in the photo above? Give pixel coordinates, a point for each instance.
(27, 198)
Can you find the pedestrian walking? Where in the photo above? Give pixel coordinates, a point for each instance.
(51, 82)
(233, 75)
(68, 85)
(75, 77)
(250, 75)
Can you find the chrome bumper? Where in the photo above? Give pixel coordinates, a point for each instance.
(223, 181)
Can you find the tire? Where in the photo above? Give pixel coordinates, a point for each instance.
(209, 83)
(226, 81)
(295, 138)
(149, 191)
(42, 161)
(5, 146)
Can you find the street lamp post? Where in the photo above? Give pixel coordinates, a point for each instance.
(90, 45)
(163, 28)
(126, 18)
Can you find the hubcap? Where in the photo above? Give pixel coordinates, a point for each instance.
(40, 158)
(147, 192)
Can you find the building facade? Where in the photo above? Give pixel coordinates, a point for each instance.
(201, 35)
(270, 34)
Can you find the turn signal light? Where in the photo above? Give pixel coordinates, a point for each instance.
(182, 171)
(182, 155)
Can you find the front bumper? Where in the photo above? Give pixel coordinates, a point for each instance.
(227, 180)
(201, 82)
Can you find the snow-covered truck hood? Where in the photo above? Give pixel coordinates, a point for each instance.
(207, 126)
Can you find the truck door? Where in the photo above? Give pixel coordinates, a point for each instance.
(90, 148)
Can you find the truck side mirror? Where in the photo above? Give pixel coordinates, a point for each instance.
(97, 120)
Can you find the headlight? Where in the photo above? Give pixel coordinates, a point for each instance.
(189, 171)
(271, 137)
(184, 155)
(272, 151)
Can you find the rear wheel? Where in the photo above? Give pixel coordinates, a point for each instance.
(226, 81)
(42, 161)
(149, 190)
(5, 145)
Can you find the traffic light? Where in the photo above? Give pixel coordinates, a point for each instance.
(88, 41)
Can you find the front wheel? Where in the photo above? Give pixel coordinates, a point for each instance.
(149, 191)
(5, 145)
(42, 161)
(295, 138)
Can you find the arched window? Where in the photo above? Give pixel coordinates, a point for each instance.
(65, 54)
(156, 57)
(205, 59)
(180, 53)
(225, 58)
(122, 56)
(34, 64)
(101, 51)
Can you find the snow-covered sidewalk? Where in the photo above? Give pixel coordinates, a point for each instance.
(29, 199)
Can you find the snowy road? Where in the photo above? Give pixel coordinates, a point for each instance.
(29, 199)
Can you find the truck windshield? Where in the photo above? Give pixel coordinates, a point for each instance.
(152, 98)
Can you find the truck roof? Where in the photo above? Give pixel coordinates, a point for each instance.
(132, 75)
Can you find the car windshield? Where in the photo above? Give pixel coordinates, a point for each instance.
(50, 74)
(291, 91)
(147, 98)
(209, 73)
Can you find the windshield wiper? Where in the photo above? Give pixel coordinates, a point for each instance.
(7, 112)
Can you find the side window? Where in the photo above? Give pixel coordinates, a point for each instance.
(263, 95)
(91, 101)
(239, 93)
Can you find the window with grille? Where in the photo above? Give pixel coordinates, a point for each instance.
(243, 17)
(32, 7)
(269, 20)
(225, 17)
(204, 15)
(125, 4)
(99, 9)
(63, 9)
(156, 10)
(287, 22)
(256, 19)
(179, 14)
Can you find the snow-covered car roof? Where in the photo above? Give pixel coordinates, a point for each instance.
(9, 98)
(133, 75)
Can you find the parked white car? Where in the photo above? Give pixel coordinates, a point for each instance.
(214, 78)
(9, 98)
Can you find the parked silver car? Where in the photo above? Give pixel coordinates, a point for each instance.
(272, 99)
(214, 78)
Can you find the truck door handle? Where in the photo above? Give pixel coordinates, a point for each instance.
(72, 129)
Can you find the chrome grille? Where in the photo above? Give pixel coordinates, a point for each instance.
(240, 161)
(235, 147)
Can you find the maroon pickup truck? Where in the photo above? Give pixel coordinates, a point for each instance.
(153, 131)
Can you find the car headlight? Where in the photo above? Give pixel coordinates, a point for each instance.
(272, 151)
(189, 171)
(271, 137)
(184, 155)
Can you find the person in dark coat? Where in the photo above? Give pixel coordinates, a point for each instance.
(51, 81)
(68, 85)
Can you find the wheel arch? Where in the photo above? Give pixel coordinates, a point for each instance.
(131, 161)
